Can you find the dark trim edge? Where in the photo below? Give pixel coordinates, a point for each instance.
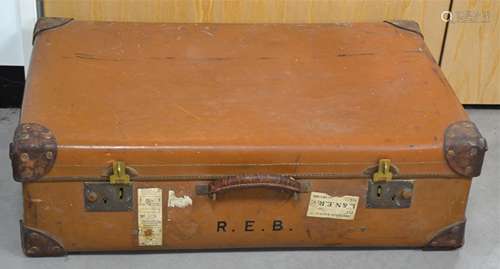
(448, 238)
(47, 23)
(407, 25)
(36, 243)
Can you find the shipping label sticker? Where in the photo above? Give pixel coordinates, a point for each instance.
(149, 216)
(322, 205)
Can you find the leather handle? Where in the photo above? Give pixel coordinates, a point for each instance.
(277, 182)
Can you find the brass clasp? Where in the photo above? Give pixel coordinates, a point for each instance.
(384, 171)
(119, 175)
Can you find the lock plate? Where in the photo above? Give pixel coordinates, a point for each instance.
(102, 196)
(391, 194)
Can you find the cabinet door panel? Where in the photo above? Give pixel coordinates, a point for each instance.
(471, 56)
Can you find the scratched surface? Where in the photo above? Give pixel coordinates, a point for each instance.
(426, 13)
(237, 82)
(481, 250)
(211, 96)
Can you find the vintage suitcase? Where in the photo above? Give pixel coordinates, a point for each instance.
(143, 137)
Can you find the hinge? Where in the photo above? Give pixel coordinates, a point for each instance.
(384, 171)
(119, 175)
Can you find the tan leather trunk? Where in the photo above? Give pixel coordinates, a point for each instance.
(142, 136)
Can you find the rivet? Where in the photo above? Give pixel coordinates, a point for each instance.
(468, 170)
(406, 194)
(49, 155)
(34, 236)
(32, 250)
(455, 229)
(25, 157)
(92, 197)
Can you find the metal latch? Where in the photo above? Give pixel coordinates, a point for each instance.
(113, 195)
(119, 175)
(384, 171)
(384, 192)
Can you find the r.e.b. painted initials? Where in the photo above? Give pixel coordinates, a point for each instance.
(249, 226)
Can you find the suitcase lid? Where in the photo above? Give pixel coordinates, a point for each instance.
(209, 100)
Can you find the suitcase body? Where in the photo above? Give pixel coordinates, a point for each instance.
(147, 137)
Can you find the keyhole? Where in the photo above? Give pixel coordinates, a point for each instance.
(120, 193)
(379, 191)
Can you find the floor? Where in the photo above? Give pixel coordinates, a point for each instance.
(481, 250)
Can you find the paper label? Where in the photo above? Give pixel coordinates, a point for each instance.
(180, 202)
(322, 205)
(149, 216)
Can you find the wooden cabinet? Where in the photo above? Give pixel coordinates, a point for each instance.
(470, 55)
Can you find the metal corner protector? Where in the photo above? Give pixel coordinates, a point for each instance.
(464, 148)
(33, 152)
(36, 243)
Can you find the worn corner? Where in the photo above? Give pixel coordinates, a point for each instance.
(449, 238)
(47, 23)
(407, 25)
(36, 243)
(33, 152)
(464, 148)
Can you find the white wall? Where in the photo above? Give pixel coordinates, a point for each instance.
(26, 18)
(17, 19)
(11, 46)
